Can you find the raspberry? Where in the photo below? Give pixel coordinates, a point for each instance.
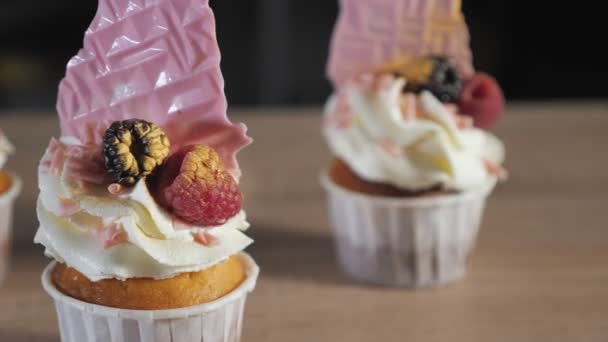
(482, 99)
(194, 185)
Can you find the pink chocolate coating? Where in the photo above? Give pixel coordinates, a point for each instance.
(156, 60)
(371, 33)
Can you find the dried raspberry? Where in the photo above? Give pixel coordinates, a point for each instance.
(194, 185)
(133, 149)
(482, 99)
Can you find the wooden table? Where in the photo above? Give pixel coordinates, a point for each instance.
(540, 272)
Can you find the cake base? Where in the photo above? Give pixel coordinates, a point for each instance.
(5, 181)
(183, 290)
(343, 176)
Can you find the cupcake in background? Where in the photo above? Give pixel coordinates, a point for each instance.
(6, 149)
(413, 162)
(10, 187)
(139, 204)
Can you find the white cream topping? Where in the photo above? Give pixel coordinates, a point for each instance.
(6, 149)
(424, 151)
(155, 246)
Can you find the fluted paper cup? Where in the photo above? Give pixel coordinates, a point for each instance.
(7, 204)
(404, 242)
(220, 320)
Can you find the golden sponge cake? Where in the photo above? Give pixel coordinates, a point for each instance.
(183, 290)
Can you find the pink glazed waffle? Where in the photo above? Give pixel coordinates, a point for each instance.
(156, 60)
(369, 34)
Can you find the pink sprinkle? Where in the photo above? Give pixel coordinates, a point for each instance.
(82, 164)
(409, 106)
(54, 158)
(383, 81)
(344, 115)
(365, 81)
(462, 121)
(450, 107)
(205, 238)
(342, 105)
(67, 207)
(390, 147)
(115, 189)
(496, 170)
(111, 235)
(371, 82)
(344, 121)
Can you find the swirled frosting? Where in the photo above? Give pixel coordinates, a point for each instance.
(122, 235)
(411, 141)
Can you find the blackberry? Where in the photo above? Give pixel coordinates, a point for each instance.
(444, 81)
(133, 149)
(436, 74)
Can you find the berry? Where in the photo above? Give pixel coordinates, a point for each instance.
(194, 185)
(482, 99)
(133, 149)
(436, 74)
(444, 81)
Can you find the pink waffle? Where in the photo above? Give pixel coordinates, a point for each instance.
(156, 60)
(372, 33)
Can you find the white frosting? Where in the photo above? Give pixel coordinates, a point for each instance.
(6, 149)
(429, 149)
(157, 246)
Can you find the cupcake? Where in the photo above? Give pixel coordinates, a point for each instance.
(10, 186)
(139, 204)
(407, 126)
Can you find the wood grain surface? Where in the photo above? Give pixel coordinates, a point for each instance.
(539, 273)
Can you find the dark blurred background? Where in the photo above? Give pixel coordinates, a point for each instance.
(274, 51)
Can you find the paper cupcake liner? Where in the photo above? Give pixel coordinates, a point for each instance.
(405, 242)
(7, 204)
(220, 320)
